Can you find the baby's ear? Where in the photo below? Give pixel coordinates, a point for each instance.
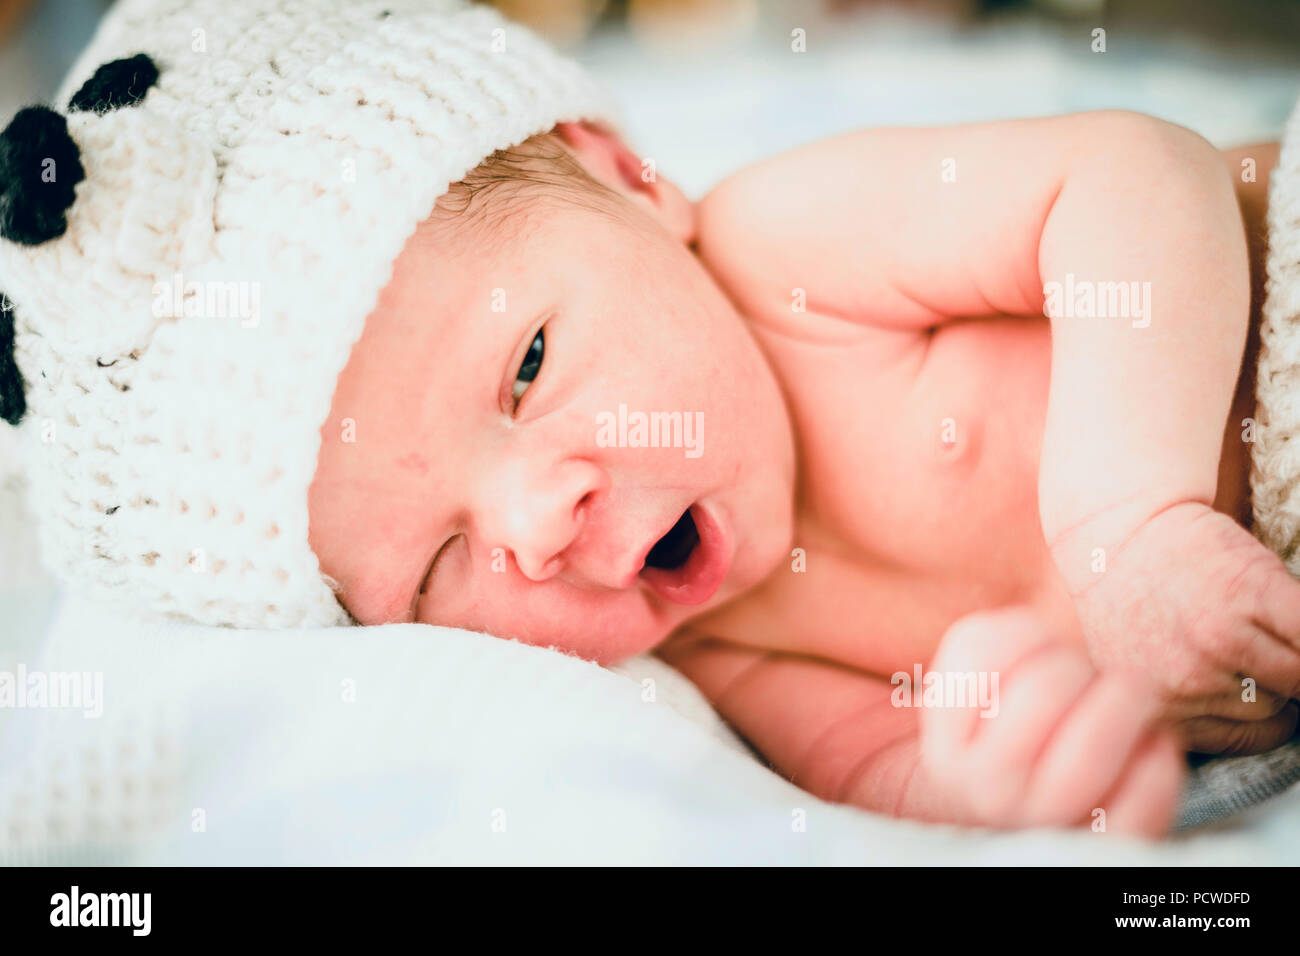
(610, 162)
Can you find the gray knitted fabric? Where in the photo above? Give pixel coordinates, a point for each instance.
(1223, 786)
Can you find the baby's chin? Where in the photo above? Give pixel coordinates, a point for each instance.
(640, 633)
(666, 619)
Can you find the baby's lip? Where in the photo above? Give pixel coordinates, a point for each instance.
(699, 578)
(630, 577)
(631, 571)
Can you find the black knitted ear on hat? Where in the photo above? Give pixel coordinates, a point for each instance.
(39, 170)
(116, 84)
(13, 403)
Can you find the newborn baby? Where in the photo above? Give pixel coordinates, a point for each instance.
(963, 400)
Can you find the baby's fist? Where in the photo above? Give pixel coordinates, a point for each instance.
(1063, 745)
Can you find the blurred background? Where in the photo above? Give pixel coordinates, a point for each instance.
(708, 85)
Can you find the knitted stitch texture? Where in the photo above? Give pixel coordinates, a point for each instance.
(181, 341)
(1275, 455)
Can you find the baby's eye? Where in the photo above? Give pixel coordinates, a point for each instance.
(528, 370)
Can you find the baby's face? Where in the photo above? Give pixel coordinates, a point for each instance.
(488, 418)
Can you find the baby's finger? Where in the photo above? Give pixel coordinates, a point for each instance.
(1215, 735)
(1229, 706)
(1270, 662)
(989, 641)
(1091, 749)
(986, 754)
(1034, 698)
(1279, 610)
(1146, 798)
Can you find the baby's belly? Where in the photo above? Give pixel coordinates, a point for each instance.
(918, 494)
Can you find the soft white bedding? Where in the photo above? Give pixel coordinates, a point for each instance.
(407, 743)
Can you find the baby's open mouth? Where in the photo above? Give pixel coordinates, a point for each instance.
(672, 550)
(688, 564)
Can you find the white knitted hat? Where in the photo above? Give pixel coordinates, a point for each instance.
(241, 192)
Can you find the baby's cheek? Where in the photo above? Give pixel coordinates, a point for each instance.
(597, 625)
(508, 611)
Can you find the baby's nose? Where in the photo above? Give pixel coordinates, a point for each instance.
(534, 567)
(539, 518)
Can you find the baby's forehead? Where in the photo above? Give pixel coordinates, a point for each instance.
(469, 262)
(454, 283)
(474, 238)
(469, 271)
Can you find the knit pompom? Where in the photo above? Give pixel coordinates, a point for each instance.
(39, 170)
(116, 84)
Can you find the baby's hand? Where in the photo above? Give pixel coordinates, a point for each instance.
(1212, 617)
(1064, 743)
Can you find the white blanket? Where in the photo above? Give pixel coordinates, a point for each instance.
(413, 744)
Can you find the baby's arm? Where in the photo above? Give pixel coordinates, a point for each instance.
(908, 228)
(1059, 743)
(828, 728)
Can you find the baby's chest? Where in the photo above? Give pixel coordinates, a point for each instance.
(917, 491)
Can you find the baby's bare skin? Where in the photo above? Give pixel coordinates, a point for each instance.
(945, 461)
(906, 529)
(914, 570)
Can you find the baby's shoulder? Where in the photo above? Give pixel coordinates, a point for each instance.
(797, 252)
(757, 229)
